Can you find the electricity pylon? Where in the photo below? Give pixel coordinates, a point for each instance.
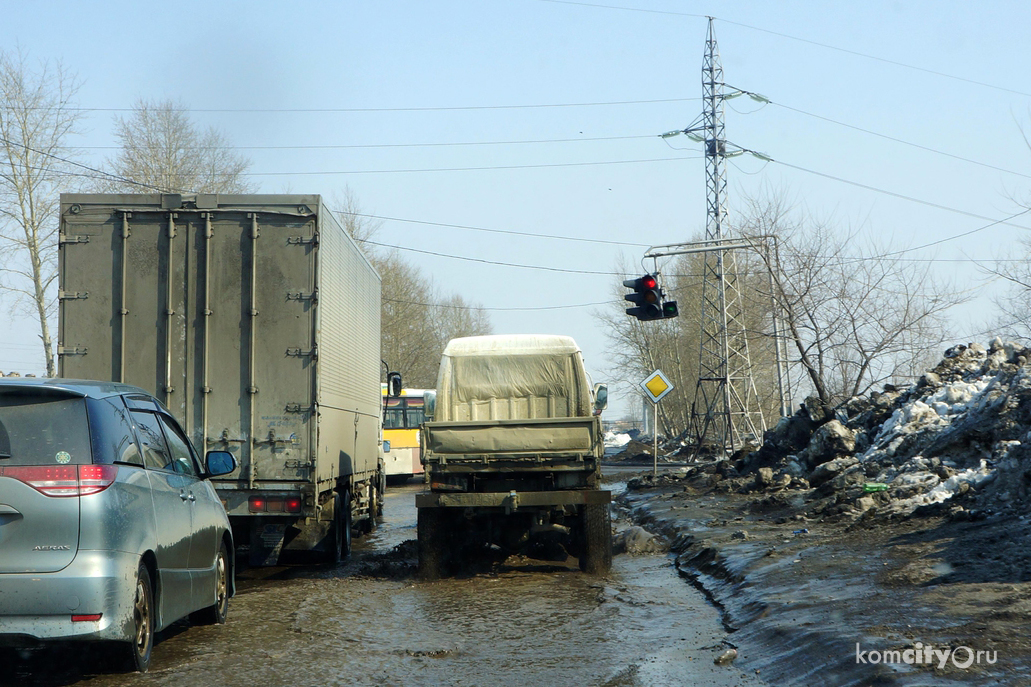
(726, 409)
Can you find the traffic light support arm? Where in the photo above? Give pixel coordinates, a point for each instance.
(704, 246)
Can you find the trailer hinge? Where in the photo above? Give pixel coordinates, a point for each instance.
(63, 239)
(302, 240)
(63, 295)
(63, 350)
(298, 408)
(302, 296)
(300, 353)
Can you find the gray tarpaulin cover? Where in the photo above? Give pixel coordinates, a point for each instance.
(509, 377)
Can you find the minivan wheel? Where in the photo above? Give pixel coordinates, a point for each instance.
(136, 653)
(216, 613)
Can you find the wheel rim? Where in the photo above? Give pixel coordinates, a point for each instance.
(141, 614)
(221, 584)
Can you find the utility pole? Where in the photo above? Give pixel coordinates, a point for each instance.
(726, 409)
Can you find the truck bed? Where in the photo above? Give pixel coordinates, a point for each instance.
(476, 440)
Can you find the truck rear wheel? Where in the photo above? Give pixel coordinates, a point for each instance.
(338, 543)
(345, 524)
(596, 557)
(431, 543)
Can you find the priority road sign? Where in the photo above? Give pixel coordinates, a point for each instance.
(656, 386)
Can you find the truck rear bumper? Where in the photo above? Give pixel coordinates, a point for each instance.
(512, 500)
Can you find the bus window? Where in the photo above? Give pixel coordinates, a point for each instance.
(394, 414)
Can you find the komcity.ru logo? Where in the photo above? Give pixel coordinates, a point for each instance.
(920, 654)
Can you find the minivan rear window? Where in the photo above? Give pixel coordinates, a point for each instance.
(43, 430)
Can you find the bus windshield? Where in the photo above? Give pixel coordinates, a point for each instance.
(405, 412)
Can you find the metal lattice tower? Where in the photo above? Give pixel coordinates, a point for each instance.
(726, 408)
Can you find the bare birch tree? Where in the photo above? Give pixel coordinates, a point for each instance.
(162, 148)
(36, 121)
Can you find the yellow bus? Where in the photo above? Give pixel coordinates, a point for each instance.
(402, 417)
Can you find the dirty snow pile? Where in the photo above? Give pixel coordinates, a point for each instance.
(616, 439)
(956, 443)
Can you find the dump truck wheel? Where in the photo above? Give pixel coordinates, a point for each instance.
(596, 558)
(431, 544)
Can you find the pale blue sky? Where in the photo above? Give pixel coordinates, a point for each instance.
(407, 54)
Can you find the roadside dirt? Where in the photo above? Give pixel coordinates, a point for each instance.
(807, 600)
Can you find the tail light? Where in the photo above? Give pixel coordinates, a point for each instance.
(64, 480)
(91, 617)
(275, 504)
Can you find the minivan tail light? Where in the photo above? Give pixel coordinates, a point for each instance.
(64, 480)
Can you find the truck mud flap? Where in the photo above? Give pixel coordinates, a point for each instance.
(266, 543)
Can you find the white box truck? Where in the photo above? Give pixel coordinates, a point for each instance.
(256, 320)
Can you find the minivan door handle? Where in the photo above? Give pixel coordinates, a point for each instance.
(8, 510)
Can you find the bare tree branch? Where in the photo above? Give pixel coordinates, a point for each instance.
(36, 121)
(161, 147)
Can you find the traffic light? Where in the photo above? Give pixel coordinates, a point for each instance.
(646, 296)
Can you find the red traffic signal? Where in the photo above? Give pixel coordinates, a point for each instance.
(646, 297)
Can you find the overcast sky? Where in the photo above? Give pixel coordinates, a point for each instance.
(543, 117)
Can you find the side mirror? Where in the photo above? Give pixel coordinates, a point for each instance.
(429, 403)
(601, 397)
(218, 463)
(393, 384)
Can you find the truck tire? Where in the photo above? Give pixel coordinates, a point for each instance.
(345, 524)
(338, 546)
(431, 543)
(596, 557)
(381, 490)
(334, 552)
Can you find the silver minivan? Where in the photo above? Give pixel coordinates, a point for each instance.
(109, 527)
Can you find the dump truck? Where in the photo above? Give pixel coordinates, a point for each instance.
(512, 448)
(255, 319)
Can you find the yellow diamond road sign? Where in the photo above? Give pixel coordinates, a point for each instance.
(656, 386)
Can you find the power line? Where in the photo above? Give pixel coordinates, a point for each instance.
(827, 46)
(878, 59)
(892, 138)
(893, 194)
(497, 231)
(591, 139)
(491, 262)
(628, 9)
(475, 307)
(472, 169)
(104, 175)
(448, 108)
(956, 236)
(641, 245)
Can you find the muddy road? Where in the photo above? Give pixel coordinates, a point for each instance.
(369, 622)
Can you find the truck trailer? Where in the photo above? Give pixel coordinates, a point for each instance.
(256, 320)
(512, 451)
